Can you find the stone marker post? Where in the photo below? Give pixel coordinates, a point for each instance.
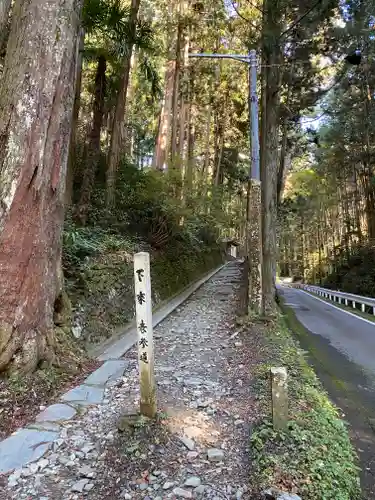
(143, 309)
(279, 394)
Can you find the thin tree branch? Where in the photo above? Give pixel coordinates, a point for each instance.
(255, 6)
(310, 120)
(241, 16)
(301, 18)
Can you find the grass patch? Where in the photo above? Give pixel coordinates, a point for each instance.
(314, 457)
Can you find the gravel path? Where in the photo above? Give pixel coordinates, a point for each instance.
(198, 447)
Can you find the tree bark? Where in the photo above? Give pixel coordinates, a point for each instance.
(182, 128)
(93, 148)
(36, 103)
(270, 143)
(218, 172)
(190, 160)
(284, 163)
(202, 185)
(129, 130)
(116, 133)
(162, 139)
(207, 152)
(176, 91)
(5, 6)
(73, 137)
(220, 128)
(357, 202)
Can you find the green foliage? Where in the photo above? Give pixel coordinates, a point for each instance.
(354, 273)
(99, 274)
(336, 180)
(148, 215)
(314, 456)
(80, 243)
(181, 265)
(150, 206)
(49, 378)
(99, 15)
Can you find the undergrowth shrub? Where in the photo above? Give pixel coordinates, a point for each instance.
(355, 273)
(149, 215)
(313, 456)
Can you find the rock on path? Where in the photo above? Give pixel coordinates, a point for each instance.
(198, 448)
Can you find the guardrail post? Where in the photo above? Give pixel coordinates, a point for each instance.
(341, 299)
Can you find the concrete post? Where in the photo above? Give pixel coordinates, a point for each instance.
(254, 215)
(279, 394)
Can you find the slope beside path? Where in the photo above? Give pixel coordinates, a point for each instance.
(198, 448)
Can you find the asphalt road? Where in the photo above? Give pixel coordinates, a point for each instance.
(347, 333)
(341, 347)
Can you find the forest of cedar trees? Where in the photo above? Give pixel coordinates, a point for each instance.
(109, 130)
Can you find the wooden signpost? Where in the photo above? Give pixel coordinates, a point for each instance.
(143, 308)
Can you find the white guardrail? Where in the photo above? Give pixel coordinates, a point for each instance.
(365, 304)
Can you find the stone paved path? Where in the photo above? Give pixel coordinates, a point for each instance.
(199, 446)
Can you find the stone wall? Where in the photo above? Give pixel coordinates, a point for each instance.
(103, 295)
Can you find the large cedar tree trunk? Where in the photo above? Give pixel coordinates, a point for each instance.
(128, 142)
(73, 135)
(270, 145)
(116, 133)
(164, 135)
(204, 178)
(282, 162)
(176, 91)
(162, 139)
(36, 102)
(93, 148)
(190, 160)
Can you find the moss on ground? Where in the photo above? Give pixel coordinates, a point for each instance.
(314, 457)
(171, 273)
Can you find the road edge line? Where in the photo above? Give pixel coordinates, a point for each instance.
(338, 308)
